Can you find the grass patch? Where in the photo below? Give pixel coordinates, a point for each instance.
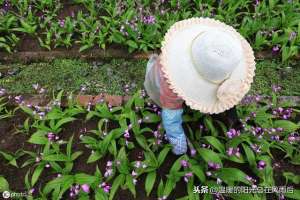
(112, 76)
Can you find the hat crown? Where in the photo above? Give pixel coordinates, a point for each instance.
(215, 54)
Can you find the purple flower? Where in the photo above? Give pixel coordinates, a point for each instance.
(138, 164)
(292, 35)
(126, 134)
(275, 49)
(233, 151)
(255, 148)
(109, 163)
(261, 165)
(187, 176)
(61, 22)
(2, 91)
(149, 19)
(85, 188)
(193, 152)
(208, 173)
(133, 173)
(51, 136)
(276, 88)
(233, 133)
(213, 166)
(184, 163)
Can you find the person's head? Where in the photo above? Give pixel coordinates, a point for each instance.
(207, 63)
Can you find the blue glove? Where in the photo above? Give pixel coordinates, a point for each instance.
(172, 122)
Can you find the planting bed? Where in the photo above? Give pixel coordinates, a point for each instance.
(209, 135)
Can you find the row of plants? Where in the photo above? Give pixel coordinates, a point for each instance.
(140, 25)
(217, 150)
(120, 77)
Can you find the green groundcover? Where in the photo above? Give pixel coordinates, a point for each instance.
(119, 76)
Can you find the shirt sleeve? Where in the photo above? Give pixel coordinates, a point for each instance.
(168, 98)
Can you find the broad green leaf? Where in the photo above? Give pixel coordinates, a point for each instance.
(231, 175)
(4, 186)
(149, 183)
(100, 195)
(38, 138)
(69, 146)
(94, 157)
(177, 164)
(198, 171)
(36, 174)
(209, 155)
(142, 142)
(250, 155)
(162, 155)
(64, 121)
(287, 126)
(295, 194)
(169, 186)
(215, 143)
(115, 185)
(160, 188)
(82, 178)
(130, 185)
(55, 157)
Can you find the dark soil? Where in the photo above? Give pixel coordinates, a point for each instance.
(15, 176)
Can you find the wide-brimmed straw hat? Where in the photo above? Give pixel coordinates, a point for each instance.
(207, 63)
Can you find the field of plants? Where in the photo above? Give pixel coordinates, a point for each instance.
(140, 25)
(62, 149)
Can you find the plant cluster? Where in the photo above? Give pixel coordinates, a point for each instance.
(140, 25)
(216, 149)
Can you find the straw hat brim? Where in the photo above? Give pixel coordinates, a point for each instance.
(178, 69)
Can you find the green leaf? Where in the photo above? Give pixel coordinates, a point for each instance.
(63, 121)
(208, 122)
(55, 157)
(142, 142)
(149, 183)
(75, 155)
(149, 117)
(83, 178)
(130, 185)
(215, 143)
(170, 185)
(162, 155)
(100, 195)
(57, 183)
(69, 146)
(94, 157)
(209, 155)
(36, 174)
(293, 195)
(160, 188)
(132, 44)
(287, 126)
(231, 175)
(250, 155)
(38, 138)
(197, 170)
(4, 186)
(115, 186)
